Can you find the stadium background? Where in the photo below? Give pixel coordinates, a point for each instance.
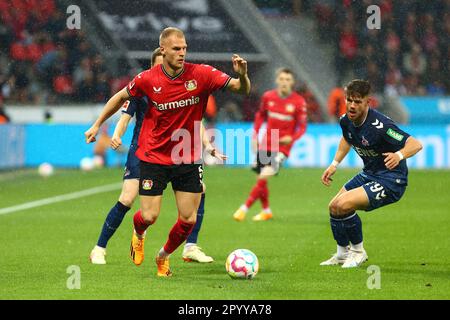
(54, 81)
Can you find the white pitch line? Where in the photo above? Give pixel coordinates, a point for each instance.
(60, 198)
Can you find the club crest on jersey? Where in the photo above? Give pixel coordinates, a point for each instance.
(190, 85)
(290, 108)
(147, 184)
(364, 142)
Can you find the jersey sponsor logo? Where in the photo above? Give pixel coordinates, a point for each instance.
(349, 135)
(176, 104)
(157, 90)
(378, 124)
(147, 184)
(364, 142)
(190, 85)
(393, 134)
(290, 108)
(366, 152)
(271, 103)
(280, 116)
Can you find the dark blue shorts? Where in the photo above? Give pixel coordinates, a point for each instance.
(377, 192)
(132, 166)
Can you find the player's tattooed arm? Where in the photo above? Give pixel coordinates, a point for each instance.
(412, 146)
(242, 83)
(119, 131)
(111, 107)
(343, 150)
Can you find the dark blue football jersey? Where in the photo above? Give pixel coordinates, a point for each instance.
(377, 135)
(136, 107)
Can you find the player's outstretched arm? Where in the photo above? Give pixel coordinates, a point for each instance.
(119, 131)
(111, 107)
(242, 83)
(343, 150)
(412, 146)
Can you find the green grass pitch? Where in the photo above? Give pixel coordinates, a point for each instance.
(409, 241)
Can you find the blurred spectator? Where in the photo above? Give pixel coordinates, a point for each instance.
(229, 112)
(336, 103)
(312, 105)
(3, 116)
(211, 110)
(414, 62)
(347, 50)
(394, 80)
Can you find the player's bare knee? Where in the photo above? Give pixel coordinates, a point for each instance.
(149, 216)
(344, 207)
(333, 207)
(188, 216)
(127, 200)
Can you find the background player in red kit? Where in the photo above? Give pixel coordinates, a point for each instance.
(169, 144)
(285, 113)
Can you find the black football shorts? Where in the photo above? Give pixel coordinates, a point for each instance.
(184, 177)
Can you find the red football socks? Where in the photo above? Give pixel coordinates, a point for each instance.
(257, 192)
(264, 195)
(180, 231)
(139, 224)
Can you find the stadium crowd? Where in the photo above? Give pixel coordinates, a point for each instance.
(408, 55)
(42, 61)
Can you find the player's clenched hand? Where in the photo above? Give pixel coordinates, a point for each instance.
(91, 133)
(392, 160)
(326, 176)
(116, 142)
(239, 65)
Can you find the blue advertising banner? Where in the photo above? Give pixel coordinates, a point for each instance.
(427, 110)
(12, 148)
(63, 145)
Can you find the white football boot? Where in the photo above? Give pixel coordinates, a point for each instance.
(355, 259)
(97, 255)
(335, 260)
(194, 253)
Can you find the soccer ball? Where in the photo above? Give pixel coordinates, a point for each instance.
(87, 164)
(45, 169)
(242, 264)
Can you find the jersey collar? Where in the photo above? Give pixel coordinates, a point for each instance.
(169, 76)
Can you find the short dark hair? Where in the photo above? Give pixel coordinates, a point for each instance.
(284, 70)
(358, 87)
(155, 53)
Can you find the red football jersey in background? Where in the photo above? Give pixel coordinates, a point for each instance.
(288, 115)
(174, 103)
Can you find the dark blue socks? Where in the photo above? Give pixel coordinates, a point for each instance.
(347, 229)
(201, 210)
(112, 222)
